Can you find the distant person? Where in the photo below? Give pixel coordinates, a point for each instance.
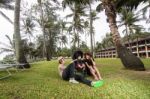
(91, 66)
(68, 73)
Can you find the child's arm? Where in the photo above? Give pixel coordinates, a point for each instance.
(97, 72)
(88, 66)
(92, 71)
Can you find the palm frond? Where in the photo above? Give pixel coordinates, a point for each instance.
(100, 7)
(4, 44)
(69, 15)
(6, 17)
(10, 41)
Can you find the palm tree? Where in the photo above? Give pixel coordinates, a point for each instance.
(75, 39)
(6, 4)
(86, 30)
(63, 38)
(128, 19)
(28, 27)
(92, 18)
(98, 46)
(128, 59)
(45, 13)
(7, 47)
(20, 57)
(78, 23)
(107, 40)
(42, 26)
(91, 29)
(138, 34)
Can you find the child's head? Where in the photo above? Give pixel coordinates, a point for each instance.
(77, 55)
(61, 60)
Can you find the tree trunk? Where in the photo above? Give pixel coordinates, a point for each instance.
(18, 43)
(74, 43)
(128, 38)
(49, 47)
(43, 28)
(61, 38)
(128, 59)
(91, 31)
(78, 39)
(48, 54)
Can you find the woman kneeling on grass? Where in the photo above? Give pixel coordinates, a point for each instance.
(68, 73)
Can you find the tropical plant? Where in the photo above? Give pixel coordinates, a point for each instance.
(99, 46)
(129, 20)
(93, 17)
(107, 41)
(7, 47)
(78, 23)
(63, 37)
(28, 27)
(128, 59)
(6, 4)
(84, 47)
(20, 57)
(47, 21)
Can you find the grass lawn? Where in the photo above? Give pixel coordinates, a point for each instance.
(42, 81)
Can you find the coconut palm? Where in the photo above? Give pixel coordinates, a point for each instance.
(127, 58)
(107, 40)
(92, 17)
(98, 46)
(138, 34)
(86, 30)
(63, 38)
(7, 47)
(78, 23)
(46, 13)
(128, 19)
(28, 27)
(6, 4)
(20, 57)
(42, 26)
(145, 10)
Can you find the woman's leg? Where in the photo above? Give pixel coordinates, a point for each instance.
(93, 73)
(97, 73)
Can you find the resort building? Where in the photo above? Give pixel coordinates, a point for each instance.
(140, 48)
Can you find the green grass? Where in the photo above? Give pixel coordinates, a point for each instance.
(42, 81)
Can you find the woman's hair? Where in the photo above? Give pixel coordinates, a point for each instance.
(77, 54)
(60, 59)
(87, 53)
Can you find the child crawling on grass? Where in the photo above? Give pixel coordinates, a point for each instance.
(68, 74)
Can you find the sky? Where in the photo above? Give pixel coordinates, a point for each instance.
(100, 25)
